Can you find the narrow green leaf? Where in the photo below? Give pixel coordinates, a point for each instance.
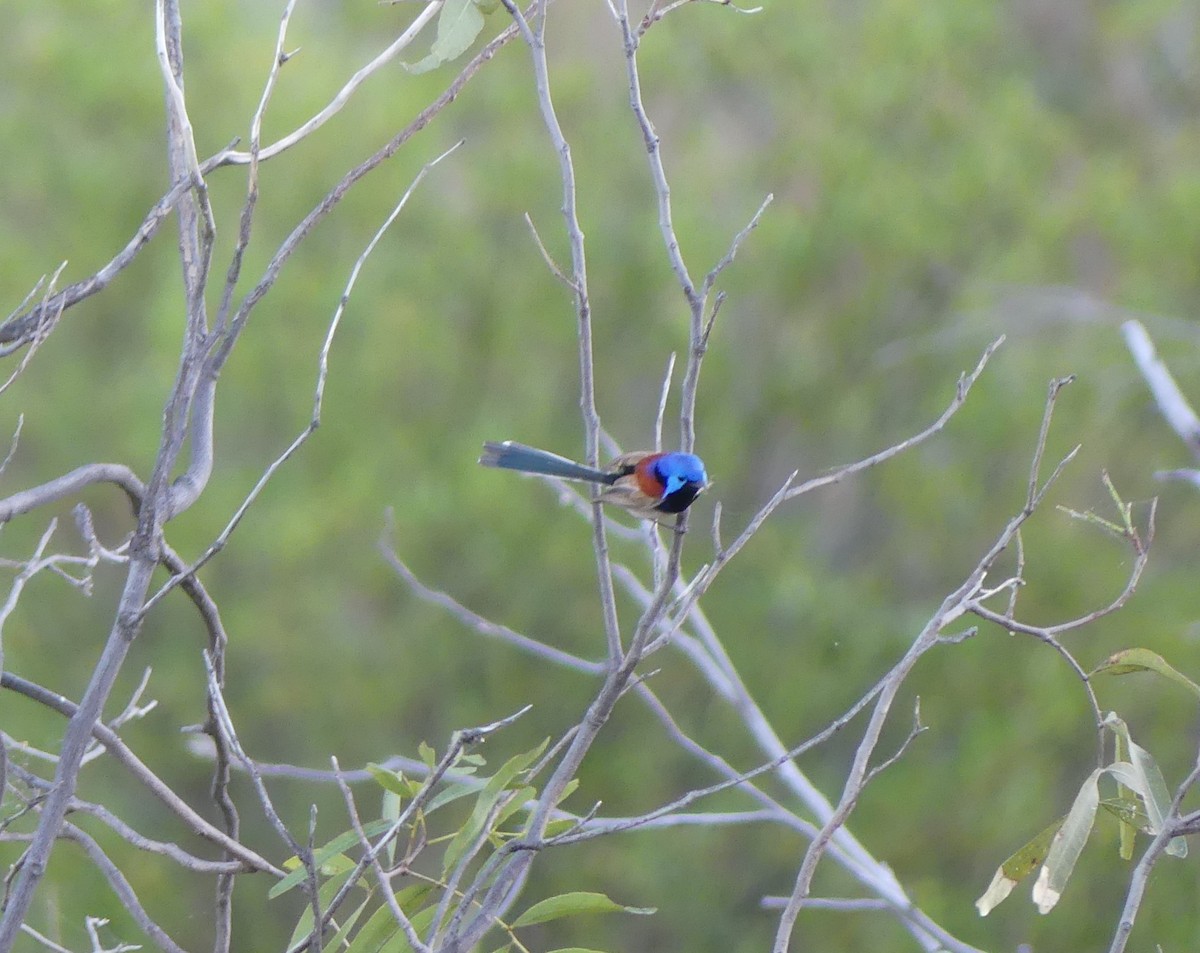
(427, 754)
(563, 824)
(568, 789)
(380, 931)
(1089, 517)
(573, 904)
(421, 922)
(451, 793)
(1128, 833)
(389, 810)
(517, 801)
(323, 855)
(1143, 775)
(389, 780)
(1125, 509)
(347, 925)
(1143, 660)
(1129, 811)
(374, 933)
(325, 894)
(489, 795)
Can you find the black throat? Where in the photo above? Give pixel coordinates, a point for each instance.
(680, 500)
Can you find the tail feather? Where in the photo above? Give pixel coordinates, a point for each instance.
(516, 456)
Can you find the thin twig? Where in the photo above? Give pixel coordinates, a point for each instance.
(336, 104)
(965, 383)
(318, 396)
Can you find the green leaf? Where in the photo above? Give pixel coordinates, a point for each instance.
(516, 802)
(347, 924)
(459, 23)
(427, 754)
(1129, 811)
(490, 794)
(389, 780)
(379, 933)
(421, 922)
(323, 855)
(390, 811)
(563, 824)
(1016, 868)
(1143, 775)
(375, 932)
(1128, 833)
(568, 789)
(325, 894)
(451, 793)
(573, 904)
(1143, 660)
(1089, 517)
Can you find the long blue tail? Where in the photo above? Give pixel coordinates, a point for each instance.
(516, 456)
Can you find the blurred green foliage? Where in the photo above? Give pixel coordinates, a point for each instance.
(943, 171)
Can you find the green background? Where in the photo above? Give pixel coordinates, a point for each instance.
(944, 172)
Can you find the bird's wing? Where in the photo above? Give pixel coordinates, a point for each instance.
(627, 461)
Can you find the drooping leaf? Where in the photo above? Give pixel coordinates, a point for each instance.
(1145, 778)
(1143, 660)
(1016, 868)
(1128, 833)
(1067, 845)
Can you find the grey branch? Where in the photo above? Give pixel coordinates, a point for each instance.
(1175, 408)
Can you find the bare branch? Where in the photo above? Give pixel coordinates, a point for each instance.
(1175, 408)
(122, 754)
(1141, 873)
(483, 625)
(965, 383)
(343, 96)
(554, 267)
(20, 328)
(727, 259)
(318, 402)
(71, 484)
(381, 877)
(536, 41)
(121, 887)
(662, 401)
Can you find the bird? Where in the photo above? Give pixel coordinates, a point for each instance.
(646, 483)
